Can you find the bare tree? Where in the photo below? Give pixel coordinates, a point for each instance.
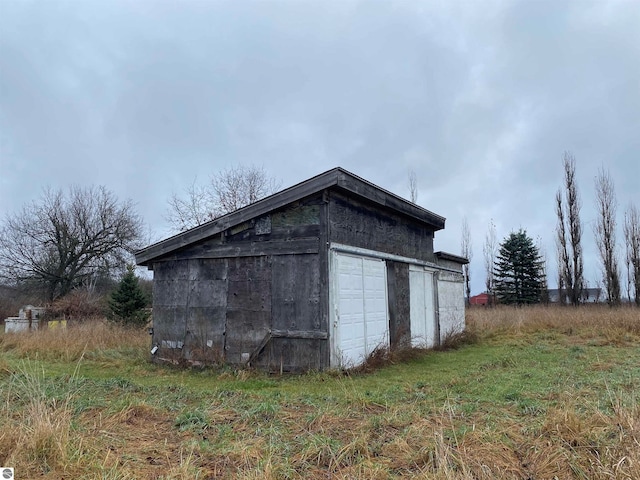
(196, 207)
(413, 186)
(64, 240)
(569, 234)
(467, 252)
(629, 277)
(490, 250)
(632, 241)
(239, 186)
(605, 234)
(227, 191)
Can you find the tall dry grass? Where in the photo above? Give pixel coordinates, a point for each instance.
(574, 434)
(598, 321)
(602, 322)
(90, 338)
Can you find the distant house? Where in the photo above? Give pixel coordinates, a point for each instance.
(589, 295)
(313, 277)
(480, 299)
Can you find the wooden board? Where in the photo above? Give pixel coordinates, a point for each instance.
(296, 292)
(399, 304)
(248, 317)
(189, 309)
(294, 355)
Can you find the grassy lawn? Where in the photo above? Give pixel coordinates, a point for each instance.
(534, 393)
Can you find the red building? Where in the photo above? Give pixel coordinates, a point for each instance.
(480, 299)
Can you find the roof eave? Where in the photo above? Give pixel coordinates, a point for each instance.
(452, 258)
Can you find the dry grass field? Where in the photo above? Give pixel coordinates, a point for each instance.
(529, 393)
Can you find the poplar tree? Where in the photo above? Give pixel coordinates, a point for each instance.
(490, 250)
(605, 233)
(569, 235)
(632, 240)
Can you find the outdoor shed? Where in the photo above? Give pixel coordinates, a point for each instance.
(313, 277)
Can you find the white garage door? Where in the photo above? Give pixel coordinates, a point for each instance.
(422, 308)
(361, 323)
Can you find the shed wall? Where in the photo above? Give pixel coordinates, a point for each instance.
(252, 292)
(300, 331)
(359, 224)
(259, 290)
(189, 308)
(248, 307)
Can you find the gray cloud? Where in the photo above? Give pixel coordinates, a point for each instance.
(479, 98)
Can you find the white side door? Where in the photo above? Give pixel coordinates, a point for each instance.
(422, 308)
(451, 303)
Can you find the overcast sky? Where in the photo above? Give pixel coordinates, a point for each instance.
(479, 98)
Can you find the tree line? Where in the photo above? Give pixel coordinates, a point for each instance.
(516, 270)
(84, 238)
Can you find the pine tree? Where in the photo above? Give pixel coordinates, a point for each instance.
(518, 270)
(128, 301)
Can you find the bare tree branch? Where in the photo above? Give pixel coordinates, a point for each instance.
(195, 208)
(227, 191)
(467, 252)
(605, 235)
(63, 240)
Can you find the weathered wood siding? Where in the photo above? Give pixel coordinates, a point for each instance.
(251, 292)
(296, 315)
(399, 304)
(189, 308)
(356, 223)
(248, 306)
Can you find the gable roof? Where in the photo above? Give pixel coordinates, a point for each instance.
(335, 178)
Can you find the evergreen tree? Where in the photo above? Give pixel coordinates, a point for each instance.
(128, 301)
(518, 270)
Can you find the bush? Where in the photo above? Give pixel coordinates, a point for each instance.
(79, 305)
